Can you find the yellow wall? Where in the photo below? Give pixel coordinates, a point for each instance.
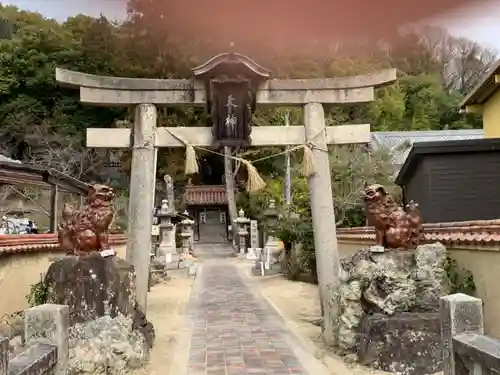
(491, 116)
(485, 267)
(19, 271)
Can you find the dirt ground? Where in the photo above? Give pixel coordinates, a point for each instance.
(298, 303)
(166, 309)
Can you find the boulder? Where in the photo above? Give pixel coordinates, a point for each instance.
(406, 343)
(94, 287)
(386, 285)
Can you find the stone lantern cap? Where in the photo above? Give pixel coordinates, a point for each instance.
(188, 219)
(271, 211)
(241, 219)
(166, 210)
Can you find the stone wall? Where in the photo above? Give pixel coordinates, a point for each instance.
(474, 245)
(22, 263)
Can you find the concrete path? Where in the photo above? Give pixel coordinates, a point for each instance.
(234, 331)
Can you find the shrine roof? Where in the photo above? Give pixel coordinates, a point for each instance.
(484, 89)
(17, 173)
(4, 158)
(199, 195)
(230, 58)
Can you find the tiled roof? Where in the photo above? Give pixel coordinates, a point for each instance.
(29, 243)
(393, 141)
(478, 233)
(6, 159)
(205, 194)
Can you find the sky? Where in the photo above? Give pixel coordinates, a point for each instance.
(480, 25)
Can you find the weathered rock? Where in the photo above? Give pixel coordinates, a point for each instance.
(430, 276)
(94, 287)
(388, 284)
(106, 346)
(12, 325)
(406, 343)
(16, 346)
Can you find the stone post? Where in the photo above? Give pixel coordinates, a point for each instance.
(242, 223)
(4, 355)
(170, 194)
(141, 198)
(254, 241)
(459, 313)
(49, 324)
(254, 234)
(167, 248)
(323, 217)
(271, 247)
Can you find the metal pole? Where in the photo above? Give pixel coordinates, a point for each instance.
(288, 174)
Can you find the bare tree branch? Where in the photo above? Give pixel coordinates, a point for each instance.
(65, 154)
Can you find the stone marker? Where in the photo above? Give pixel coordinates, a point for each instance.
(459, 313)
(169, 188)
(49, 324)
(254, 234)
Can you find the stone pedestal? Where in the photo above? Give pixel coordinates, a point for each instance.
(389, 305)
(407, 343)
(251, 254)
(243, 233)
(167, 248)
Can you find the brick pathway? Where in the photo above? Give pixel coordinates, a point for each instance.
(234, 331)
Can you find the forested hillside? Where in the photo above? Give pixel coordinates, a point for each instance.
(45, 124)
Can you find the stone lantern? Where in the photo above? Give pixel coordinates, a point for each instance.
(167, 248)
(271, 248)
(186, 234)
(243, 233)
(191, 232)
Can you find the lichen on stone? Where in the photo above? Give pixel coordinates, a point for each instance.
(387, 283)
(106, 345)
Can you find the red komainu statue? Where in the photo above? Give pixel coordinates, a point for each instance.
(86, 230)
(394, 227)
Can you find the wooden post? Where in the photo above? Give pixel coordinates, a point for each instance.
(141, 199)
(54, 196)
(323, 217)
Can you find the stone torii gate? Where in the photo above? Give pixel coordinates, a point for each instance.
(202, 89)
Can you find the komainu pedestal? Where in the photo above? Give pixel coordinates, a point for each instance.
(389, 301)
(108, 330)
